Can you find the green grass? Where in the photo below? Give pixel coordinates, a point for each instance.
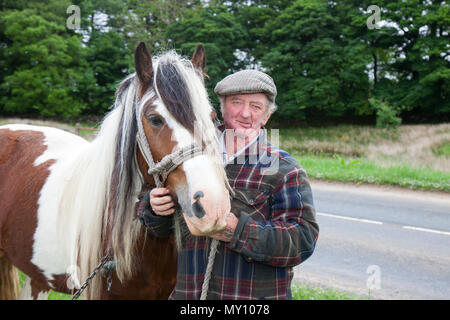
(307, 293)
(53, 294)
(347, 169)
(443, 150)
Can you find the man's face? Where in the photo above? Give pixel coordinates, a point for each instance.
(246, 113)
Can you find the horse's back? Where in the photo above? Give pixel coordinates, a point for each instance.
(28, 150)
(27, 141)
(28, 155)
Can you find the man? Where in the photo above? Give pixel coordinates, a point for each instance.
(272, 225)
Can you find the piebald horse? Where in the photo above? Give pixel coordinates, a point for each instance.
(65, 202)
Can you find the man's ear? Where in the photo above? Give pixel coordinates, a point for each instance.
(143, 65)
(266, 117)
(199, 59)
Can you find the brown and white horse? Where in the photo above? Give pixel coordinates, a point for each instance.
(64, 201)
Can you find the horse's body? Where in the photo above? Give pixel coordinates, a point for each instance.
(33, 169)
(64, 202)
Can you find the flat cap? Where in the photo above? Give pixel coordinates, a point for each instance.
(247, 81)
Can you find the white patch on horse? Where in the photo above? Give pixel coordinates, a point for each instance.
(51, 250)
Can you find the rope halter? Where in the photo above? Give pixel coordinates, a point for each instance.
(168, 163)
(161, 171)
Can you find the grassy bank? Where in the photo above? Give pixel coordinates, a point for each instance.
(415, 157)
(353, 170)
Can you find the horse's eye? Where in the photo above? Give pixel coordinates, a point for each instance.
(156, 121)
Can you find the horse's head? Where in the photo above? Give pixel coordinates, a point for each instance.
(174, 110)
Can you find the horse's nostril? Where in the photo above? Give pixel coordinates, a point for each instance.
(197, 207)
(198, 194)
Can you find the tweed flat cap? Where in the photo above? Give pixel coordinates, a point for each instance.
(247, 81)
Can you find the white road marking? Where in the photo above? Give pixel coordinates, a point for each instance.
(380, 223)
(426, 230)
(349, 218)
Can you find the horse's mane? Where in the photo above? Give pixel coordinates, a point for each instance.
(104, 181)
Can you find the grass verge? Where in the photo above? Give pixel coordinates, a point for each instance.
(365, 171)
(307, 293)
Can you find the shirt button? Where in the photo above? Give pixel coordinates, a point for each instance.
(251, 201)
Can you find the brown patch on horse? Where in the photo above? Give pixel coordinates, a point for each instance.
(158, 138)
(155, 275)
(20, 185)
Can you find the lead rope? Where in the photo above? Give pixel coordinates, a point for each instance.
(208, 272)
(161, 170)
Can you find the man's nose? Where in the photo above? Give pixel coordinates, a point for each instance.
(245, 112)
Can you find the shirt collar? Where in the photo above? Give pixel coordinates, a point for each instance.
(250, 148)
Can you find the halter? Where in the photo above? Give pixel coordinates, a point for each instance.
(168, 163)
(162, 170)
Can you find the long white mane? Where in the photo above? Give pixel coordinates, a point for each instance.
(103, 181)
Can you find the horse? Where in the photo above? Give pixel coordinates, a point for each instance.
(66, 203)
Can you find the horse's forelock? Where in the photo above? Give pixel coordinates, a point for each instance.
(173, 90)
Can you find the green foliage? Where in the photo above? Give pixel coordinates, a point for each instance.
(45, 67)
(386, 115)
(220, 33)
(324, 59)
(442, 150)
(319, 72)
(109, 59)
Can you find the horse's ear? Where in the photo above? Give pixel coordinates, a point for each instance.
(143, 64)
(199, 59)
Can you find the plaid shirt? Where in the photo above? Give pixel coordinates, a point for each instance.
(276, 231)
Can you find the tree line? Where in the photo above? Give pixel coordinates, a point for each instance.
(329, 59)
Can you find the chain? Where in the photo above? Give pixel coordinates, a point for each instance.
(91, 276)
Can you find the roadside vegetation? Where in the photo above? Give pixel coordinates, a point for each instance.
(412, 156)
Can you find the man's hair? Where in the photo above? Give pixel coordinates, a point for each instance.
(271, 106)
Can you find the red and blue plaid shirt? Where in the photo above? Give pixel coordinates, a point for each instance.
(276, 231)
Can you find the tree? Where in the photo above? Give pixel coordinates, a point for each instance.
(110, 60)
(46, 69)
(422, 64)
(220, 33)
(318, 69)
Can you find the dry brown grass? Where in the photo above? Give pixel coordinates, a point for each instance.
(414, 146)
(408, 144)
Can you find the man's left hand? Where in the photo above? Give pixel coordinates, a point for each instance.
(227, 233)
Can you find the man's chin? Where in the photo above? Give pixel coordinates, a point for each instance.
(245, 132)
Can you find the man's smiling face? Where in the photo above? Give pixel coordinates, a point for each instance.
(246, 113)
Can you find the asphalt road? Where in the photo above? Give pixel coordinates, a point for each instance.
(384, 242)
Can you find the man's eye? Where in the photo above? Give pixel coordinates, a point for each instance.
(156, 121)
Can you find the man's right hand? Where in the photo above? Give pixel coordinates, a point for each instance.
(161, 202)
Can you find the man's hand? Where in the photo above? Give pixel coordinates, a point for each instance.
(161, 202)
(227, 233)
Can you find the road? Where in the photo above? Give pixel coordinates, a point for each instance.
(388, 243)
